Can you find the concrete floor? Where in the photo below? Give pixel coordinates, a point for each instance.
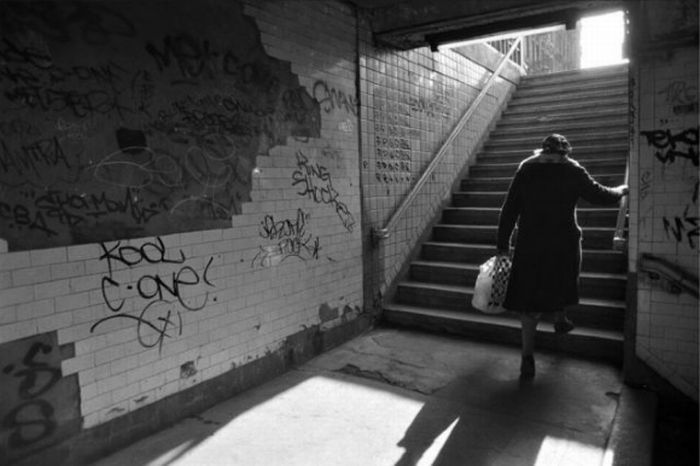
(394, 397)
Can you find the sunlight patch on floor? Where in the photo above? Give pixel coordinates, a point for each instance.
(169, 456)
(433, 451)
(559, 451)
(324, 431)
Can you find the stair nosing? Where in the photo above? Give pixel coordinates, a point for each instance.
(493, 246)
(489, 209)
(586, 301)
(496, 165)
(475, 266)
(491, 319)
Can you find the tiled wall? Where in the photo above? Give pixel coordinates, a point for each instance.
(131, 321)
(101, 328)
(664, 210)
(410, 102)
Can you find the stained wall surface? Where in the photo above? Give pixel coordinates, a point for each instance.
(179, 193)
(185, 188)
(664, 208)
(411, 103)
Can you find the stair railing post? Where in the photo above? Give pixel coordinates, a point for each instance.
(619, 240)
(383, 233)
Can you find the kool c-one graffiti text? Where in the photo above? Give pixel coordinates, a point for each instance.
(160, 296)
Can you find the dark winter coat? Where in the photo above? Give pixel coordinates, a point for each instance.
(547, 259)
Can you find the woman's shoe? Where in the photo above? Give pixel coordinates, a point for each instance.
(563, 326)
(527, 367)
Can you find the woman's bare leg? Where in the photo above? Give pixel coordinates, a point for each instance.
(562, 324)
(528, 322)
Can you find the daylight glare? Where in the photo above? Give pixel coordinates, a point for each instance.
(601, 39)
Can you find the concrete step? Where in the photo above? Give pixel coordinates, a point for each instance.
(609, 103)
(574, 76)
(590, 150)
(590, 107)
(540, 86)
(603, 314)
(582, 154)
(505, 329)
(569, 94)
(587, 217)
(502, 183)
(593, 137)
(593, 237)
(602, 285)
(572, 128)
(492, 199)
(593, 166)
(548, 119)
(602, 261)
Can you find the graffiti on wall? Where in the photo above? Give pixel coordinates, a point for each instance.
(645, 184)
(116, 124)
(669, 146)
(289, 238)
(332, 99)
(681, 96)
(392, 143)
(395, 128)
(152, 300)
(684, 227)
(315, 182)
(40, 406)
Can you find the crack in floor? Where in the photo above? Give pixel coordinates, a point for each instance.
(351, 369)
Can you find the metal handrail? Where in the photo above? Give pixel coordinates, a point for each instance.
(383, 233)
(619, 240)
(678, 279)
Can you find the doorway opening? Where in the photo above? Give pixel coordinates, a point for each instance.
(602, 39)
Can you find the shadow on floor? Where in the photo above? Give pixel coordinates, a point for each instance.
(477, 413)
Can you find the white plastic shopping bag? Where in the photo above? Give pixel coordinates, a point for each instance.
(491, 285)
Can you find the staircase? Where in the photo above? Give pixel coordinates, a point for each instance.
(590, 108)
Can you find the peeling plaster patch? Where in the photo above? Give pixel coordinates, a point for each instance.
(326, 313)
(350, 313)
(352, 369)
(187, 370)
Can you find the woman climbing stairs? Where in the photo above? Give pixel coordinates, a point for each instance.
(590, 108)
